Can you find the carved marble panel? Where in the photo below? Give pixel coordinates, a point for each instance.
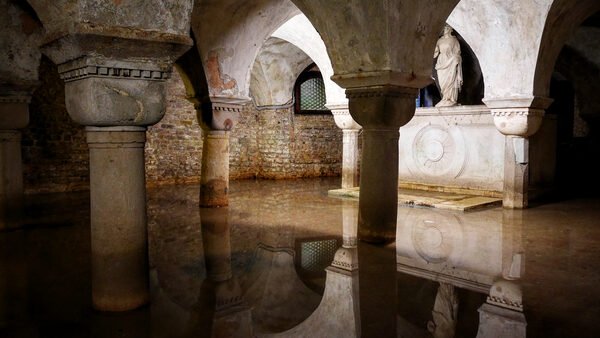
(452, 148)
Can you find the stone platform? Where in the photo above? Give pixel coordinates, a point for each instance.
(440, 200)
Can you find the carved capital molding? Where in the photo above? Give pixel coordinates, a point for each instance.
(340, 112)
(25, 99)
(517, 112)
(342, 117)
(506, 294)
(346, 259)
(221, 113)
(103, 92)
(86, 67)
(382, 107)
(518, 306)
(518, 121)
(227, 107)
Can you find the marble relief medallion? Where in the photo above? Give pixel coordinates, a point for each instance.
(435, 237)
(439, 151)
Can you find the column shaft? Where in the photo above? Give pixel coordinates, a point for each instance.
(214, 178)
(378, 202)
(381, 111)
(118, 218)
(516, 172)
(11, 169)
(350, 158)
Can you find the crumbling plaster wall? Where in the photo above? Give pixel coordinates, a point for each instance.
(229, 34)
(275, 71)
(20, 35)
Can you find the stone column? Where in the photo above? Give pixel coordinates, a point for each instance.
(231, 317)
(381, 111)
(214, 177)
(116, 100)
(14, 115)
(517, 119)
(217, 246)
(350, 157)
(218, 117)
(118, 217)
(349, 223)
(501, 316)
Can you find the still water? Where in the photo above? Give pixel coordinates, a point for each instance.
(264, 267)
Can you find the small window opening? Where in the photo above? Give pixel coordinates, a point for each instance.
(309, 92)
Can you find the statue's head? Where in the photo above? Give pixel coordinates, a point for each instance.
(447, 30)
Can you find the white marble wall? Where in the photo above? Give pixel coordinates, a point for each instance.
(460, 149)
(453, 147)
(451, 247)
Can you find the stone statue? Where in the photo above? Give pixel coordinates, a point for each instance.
(448, 67)
(444, 312)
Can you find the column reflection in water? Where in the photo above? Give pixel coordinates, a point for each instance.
(14, 282)
(338, 314)
(480, 252)
(280, 299)
(221, 309)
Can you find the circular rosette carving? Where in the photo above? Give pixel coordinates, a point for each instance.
(439, 151)
(435, 237)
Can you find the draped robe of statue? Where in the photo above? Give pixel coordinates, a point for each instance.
(449, 68)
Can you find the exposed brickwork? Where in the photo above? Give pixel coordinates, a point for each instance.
(174, 145)
(292, 146)
(317, 146)
(272, 143)
(244, 159)
(55, 154)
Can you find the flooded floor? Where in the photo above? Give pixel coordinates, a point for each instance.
(257, 268)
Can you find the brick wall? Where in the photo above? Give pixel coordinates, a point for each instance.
(174, 145)
(272, 143)
(55, 154)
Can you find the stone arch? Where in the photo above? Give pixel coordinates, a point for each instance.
(564, 17)
(274, 73)
(392, 47)
(230, 34)
(299, 32)
(511, 27)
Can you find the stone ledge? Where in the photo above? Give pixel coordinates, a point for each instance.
(439, 200)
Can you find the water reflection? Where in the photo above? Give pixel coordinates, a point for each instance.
(283, 260)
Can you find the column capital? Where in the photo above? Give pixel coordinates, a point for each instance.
(105, 92)
(115, 76)
(346, 258)
(342, 117)
(382, 107)
(221, 113)
(14, 109)
(506, 294)
(518, 116)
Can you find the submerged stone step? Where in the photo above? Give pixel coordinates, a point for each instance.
(439, 200)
